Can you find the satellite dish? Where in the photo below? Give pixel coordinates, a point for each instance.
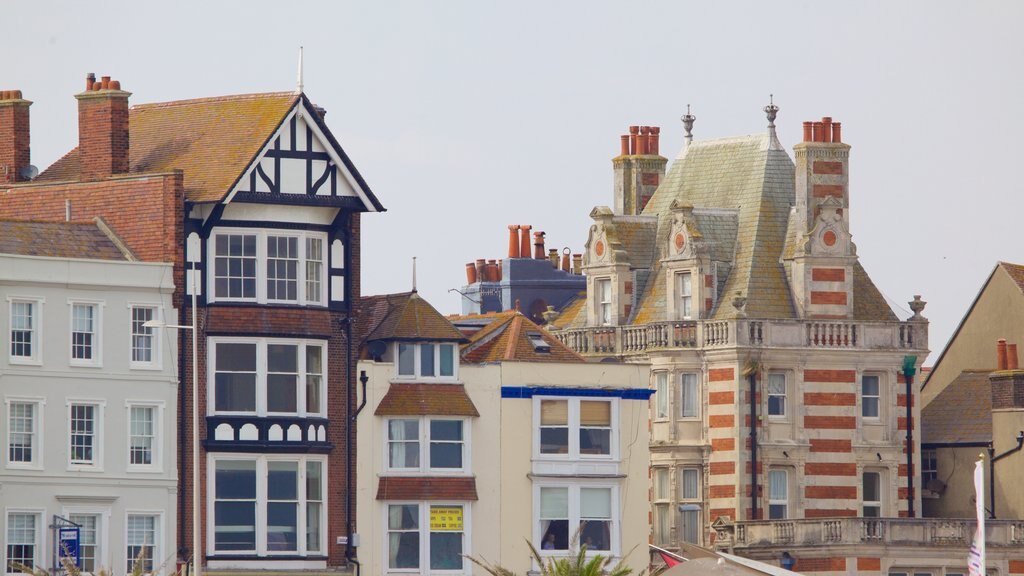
(377, 349)
(29, 172)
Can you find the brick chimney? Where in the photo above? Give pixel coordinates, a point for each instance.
(102, 128)
(639, 169)
(14, 136)
(822, 170)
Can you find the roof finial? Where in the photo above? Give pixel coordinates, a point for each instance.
(771, 110)
(413, 273)
(688, 124)
(299, 86)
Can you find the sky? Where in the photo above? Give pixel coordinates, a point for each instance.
(467, 116)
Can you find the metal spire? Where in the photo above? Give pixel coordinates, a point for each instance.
(299, 86)
(414, 274)
(688, 124)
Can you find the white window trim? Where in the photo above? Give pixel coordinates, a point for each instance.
(882, 386)
(574, 486)
(697, 396)
(609, 304)
(418, 350)
(261, 376)
(662, 396)
(662, 500)
(880, 503)
(424, 523)
(99, 438)
(574, 430)
(41, 554)
(158, 314)
(97, 346)
(102, 531)
(786, 404)
(158, 435)
(261, 265)
(37, 450)
(261, 503)
(424, 446)
(698, 500)
(787, 502)
(677, 291)
(36, 359)
(158, 546)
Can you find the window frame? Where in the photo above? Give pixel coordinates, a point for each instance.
(605, 299)
(95, 360)
(784, 415)
(877, 397)
(696, 499)
(662, 402)
(262, 500)
(929, 466)
(880, 503)
(98, 436)
(156, 360)
(417, 361)
(262, 272)
(573, 424)
(102, 515)
(158, 544)
(574, 490)
(424, 441)
(772, 500)
(36, 331)
(262, 371)
(695, 377)
(38, 403)
(156, 456)
(683, 297)
(39, 554)
(423, 529)
(661, 498)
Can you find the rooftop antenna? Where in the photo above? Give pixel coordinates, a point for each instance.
(413, 273)
(688, 124)
(298, 86)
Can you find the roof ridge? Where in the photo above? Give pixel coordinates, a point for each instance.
(515, 330)
(208, 99)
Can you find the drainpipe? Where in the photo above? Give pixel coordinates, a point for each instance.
(350, 443)
(753, 444)
(908, 374)
(992, 459)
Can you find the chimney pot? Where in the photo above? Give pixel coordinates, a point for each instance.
(492, 270)
(826, 124)
(1011, 357)
(481, 269)
(624, 145)
(553, 257)
(808, 131)
(115, 84)
(565, 259)
(577, 264)
(470, 273)
(524, 240)
(513, 241)
(90, 79)
(819, 132)
(16, 94)
(538, 245)
(105, 82)
(837, 133)
(1001, 361)
(655, 137)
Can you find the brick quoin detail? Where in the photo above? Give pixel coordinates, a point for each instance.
(823, 167)
(830, 376)
(828, 512)
(830, 469)
(721, 397)
(820, 445)
(721, 374)
(723, 444)
(829, 399)
(716, 512)
(902, 470)
(721, 421)
(830, 422)
(728, 467)
(869, 563)
(722, 491)
(821, 565)
(709, 281)
(824, 190)
(901, 400)
(828, 298)
(1016, 567)
(831, 492)
(760, 470)
(828, 275)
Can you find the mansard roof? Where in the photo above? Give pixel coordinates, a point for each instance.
(89, 240)
(404, 316)
(213, 141)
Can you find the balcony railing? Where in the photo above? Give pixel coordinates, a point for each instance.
(266, 434)
(856, 531)
(682, 334)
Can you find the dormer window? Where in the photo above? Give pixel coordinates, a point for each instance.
(604, 301)
(426, 360)
(684, 296)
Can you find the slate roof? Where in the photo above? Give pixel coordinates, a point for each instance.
(507, 337)
(637, 236)
(404, 316)
(573, 313)
(59, 240)
(961, 413)
(212, 140)
(432, 399)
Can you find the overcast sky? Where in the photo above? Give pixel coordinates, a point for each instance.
(464, 117)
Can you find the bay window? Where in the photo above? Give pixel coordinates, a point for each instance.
(268, 505)
(661, 395)
(426, 444)
(690, 505)
(275, 266)
(575, 427)
(688, 400)
(563, 511)
(268, 376)
(427, 360)
(426, 537)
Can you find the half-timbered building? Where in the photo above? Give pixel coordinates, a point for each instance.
(259, 206)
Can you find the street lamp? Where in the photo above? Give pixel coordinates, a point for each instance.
(196, 489)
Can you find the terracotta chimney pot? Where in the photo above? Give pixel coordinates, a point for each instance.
(513, 241)
(538, 245)
(524, 240)
(837, 133)
(1001, 361)
(1011, 357)
(470, 273)
(808, 131)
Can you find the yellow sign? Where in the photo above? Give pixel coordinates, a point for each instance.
(446, 518)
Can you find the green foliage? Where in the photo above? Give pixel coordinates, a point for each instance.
(138, 567)
(575, 564)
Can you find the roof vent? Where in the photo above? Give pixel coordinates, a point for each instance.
(539, 344)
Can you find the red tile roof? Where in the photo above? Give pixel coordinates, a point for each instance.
(507, 336)
(404, 316)
(426, 488)
(426, 400)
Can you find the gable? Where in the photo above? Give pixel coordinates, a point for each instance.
(301, 163)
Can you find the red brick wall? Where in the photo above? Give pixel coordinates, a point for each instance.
(102, 134)
(14, 140)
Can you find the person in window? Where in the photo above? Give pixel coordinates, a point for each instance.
(549, 542)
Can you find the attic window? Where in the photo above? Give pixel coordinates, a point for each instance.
(539, 345)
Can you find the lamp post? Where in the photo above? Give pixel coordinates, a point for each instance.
(908, 375)
(196, 489)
